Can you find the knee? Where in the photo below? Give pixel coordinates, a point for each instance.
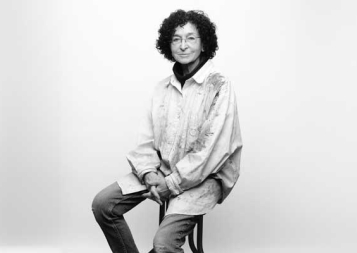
(98, 202)
(162, 242)
(100, 206)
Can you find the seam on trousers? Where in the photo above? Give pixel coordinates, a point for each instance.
(110, 209)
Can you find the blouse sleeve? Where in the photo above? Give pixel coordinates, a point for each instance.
(219, 138)
(144, 157)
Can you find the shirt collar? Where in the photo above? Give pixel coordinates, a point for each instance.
(199, 77)
(204, 71)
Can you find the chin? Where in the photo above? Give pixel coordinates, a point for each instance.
(184, 61)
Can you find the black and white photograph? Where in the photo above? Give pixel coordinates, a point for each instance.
(178, 126)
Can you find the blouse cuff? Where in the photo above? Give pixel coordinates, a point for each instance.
(173, 183)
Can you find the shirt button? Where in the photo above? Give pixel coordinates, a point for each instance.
(193, 132)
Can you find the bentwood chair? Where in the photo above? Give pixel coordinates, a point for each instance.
(199, 248)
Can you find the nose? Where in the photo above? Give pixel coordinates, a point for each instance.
(183, 44)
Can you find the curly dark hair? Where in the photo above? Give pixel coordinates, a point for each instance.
(206, 30)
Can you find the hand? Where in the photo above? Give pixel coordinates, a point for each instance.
(153, 195)
(157, 187)
(151, 179)
(163, 190)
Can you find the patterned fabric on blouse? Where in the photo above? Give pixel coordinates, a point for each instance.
(195, 131)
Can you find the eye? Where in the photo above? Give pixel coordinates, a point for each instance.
(176, 40)
(191, 39)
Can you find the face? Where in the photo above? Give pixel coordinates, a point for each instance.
(187, 46)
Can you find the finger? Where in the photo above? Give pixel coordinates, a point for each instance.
(155, 194)
(146, 195)
(149, 196)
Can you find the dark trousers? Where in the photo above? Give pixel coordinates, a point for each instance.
(109, 206)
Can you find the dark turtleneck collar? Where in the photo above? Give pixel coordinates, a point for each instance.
(179, 74)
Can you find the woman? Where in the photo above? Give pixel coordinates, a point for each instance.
(189, 147)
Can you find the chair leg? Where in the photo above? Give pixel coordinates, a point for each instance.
(163, 208)
(199, 234)
(191, 242)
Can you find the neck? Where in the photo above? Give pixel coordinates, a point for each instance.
(187, 68)
(178, 70)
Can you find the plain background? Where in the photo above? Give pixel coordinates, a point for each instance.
(74, 75)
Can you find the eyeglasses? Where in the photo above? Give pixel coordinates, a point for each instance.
(190, 40)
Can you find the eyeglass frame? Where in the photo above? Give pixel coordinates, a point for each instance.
(179, 40)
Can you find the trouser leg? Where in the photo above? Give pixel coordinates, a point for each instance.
(172, 233)
(108, 207)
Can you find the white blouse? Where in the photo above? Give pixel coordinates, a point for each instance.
(196, 131)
